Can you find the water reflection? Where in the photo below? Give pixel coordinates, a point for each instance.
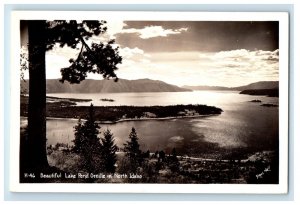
(242, 125)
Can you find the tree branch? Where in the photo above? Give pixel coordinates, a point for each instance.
(87, 48)
(85, 44)
(79, 53)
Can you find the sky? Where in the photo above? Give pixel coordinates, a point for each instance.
(211, 53)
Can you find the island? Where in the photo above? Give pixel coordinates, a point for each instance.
(255, 101)
(107, 100)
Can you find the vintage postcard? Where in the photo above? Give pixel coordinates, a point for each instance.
(149, 102)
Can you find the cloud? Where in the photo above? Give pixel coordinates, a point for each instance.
(133, 55)
(130, 52)
(243, 54)
(118, 26)
(114, 27)
(233, 54)
(268, 55)
(153, 31)
(133, 60)
(245, 59)
(226, 68)
(176, 56)
(54, 63)
(242, 66)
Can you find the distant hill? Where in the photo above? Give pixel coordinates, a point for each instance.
(205, 87)
(252, 86)
(259, 85)
(108, 86)
(266, 92)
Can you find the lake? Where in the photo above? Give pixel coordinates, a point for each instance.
(243, 125)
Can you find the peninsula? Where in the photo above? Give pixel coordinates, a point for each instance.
(65, 108)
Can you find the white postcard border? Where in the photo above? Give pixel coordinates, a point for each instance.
(281, 188)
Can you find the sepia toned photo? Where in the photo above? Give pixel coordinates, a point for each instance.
(150, 101)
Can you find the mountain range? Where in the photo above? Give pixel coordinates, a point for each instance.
(108, 86)
(253, 86)
(259, 85)
(140, 85)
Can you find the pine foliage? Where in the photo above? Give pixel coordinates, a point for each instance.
(87, 142)
(133, 152)
(108, 152)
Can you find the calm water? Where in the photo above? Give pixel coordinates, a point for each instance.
(243, 124)
(216, 98)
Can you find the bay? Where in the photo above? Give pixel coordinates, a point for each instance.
(242, 125)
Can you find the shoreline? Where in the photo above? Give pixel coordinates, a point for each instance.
(153, 118)
(130, 119)
(114, 114)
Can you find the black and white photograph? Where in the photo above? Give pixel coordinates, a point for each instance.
(151, 101)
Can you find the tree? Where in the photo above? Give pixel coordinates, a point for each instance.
(87, 143)
(173, 161)
(132, 149)
(79, 136)
(162, 156)
(101, 58)
(108, 152)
